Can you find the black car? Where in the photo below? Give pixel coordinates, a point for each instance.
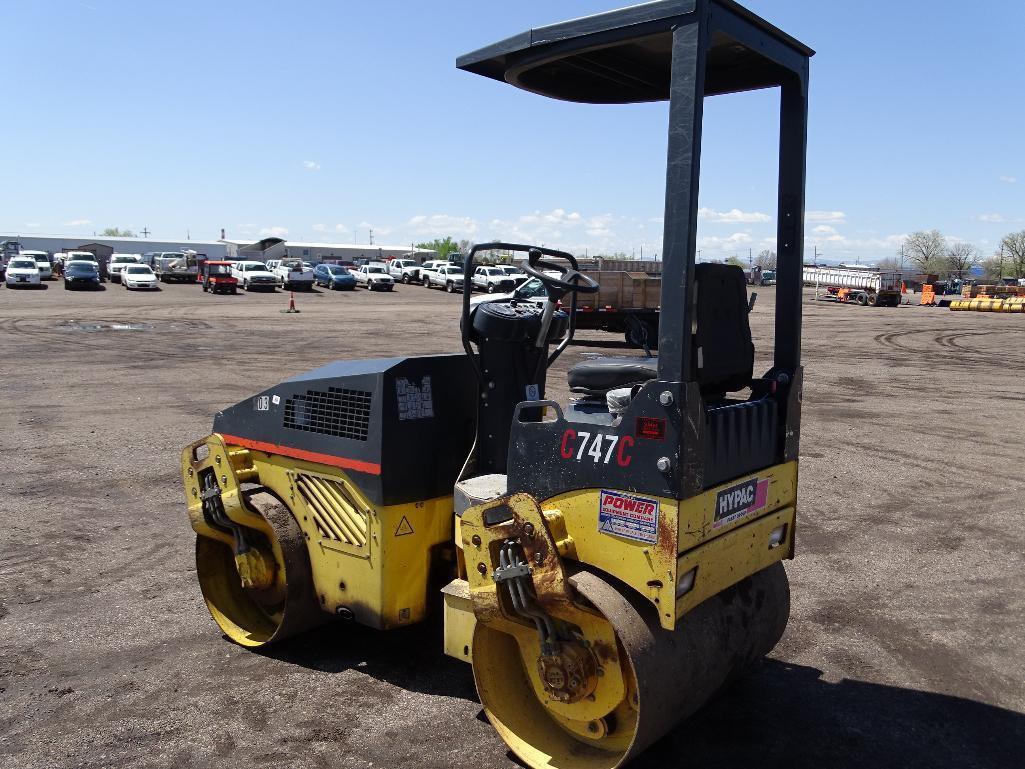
(81, 275)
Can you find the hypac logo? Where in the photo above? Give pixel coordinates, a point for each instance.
(737, 501)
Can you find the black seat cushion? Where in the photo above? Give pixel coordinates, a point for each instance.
(598, 376)
(723, 354)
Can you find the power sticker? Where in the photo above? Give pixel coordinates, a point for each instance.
(737, 501)
(628, 516)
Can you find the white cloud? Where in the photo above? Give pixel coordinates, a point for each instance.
(734, 241)
(827, 233)
(993, 218)
(32, 225)
(273, 232)
(1008, 179)
(364, 225)
(439, 225)
(311, 165)
(825, 217)
(733, 216)
(330, 228)
(78, 222)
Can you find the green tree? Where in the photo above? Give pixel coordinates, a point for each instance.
(114, 232)
(766, 260)
(962, 257)
(1013, 245)
(927, 250)
(442, 246)
(736, 261)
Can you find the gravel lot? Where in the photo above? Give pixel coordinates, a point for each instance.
(904, 649)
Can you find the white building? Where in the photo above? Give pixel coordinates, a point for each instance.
(276, 248)
(54, 244)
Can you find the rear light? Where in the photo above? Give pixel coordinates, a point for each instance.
(652, 428)
(686, 582)
(777, 536)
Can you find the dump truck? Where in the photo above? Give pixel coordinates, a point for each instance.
(857, 285)
(611, 561)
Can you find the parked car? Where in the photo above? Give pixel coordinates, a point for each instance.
(518, 275)
(428, 267)
(81, 274)
(292, 275)
(492, 279)
(449, 278)
(81, 256)
(118, 263)
(375, 276)
(139, 276)
(23, 272)
(254, 275)
(334, 276)
(217, 278)
(42, 260)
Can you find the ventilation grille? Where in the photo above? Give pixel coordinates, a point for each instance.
(333, 510)
(338, 412)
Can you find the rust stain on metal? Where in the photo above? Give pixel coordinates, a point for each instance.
(605, 652)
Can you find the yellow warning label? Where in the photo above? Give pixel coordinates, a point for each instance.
(403, 527)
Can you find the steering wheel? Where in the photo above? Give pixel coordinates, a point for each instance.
(570, 279)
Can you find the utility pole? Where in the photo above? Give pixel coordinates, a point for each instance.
(371, 236)
(699, 255)
(145, 232)
(750, 263)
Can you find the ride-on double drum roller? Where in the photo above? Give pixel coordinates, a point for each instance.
(609, 563)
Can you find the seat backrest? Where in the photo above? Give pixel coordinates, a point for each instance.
(722, 351)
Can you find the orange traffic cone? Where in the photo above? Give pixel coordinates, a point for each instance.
(291, 303)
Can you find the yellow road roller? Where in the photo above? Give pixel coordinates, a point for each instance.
(606, 564)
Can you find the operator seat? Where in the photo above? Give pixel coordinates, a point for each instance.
(722, 353)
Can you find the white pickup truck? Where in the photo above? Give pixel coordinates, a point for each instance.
(449, 278)
(492, 280)
(253, 275)
(374, 276)
(293, 276)
(406, 270)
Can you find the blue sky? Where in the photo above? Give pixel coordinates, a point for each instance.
(321, 120)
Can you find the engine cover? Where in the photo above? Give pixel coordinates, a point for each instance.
(401, 428)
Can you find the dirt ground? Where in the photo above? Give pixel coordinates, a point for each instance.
(905, 644)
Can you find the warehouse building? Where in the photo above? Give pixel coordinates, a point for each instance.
(55, 244)
(276, 248)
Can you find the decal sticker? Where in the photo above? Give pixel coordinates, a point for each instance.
(414, 400)
(533, 392)
(596, 447)
(403, 528)
(262, 403)
(626, 515)
(276, 400)
(734, 503)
